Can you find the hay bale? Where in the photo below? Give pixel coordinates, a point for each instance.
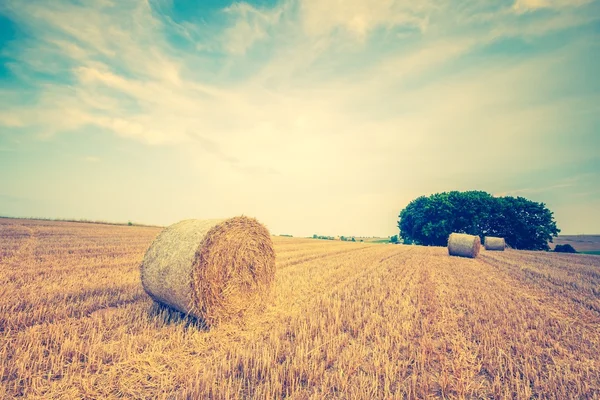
(463, 245)
(494, 243)
(214, 270)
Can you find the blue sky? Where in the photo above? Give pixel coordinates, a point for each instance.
(314, 116)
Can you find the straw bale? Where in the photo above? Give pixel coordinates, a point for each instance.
(494, 243)
(463, 245)
(214, 270)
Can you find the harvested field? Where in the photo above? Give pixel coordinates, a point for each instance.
(348, 320)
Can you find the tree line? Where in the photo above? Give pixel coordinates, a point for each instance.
(524, 224)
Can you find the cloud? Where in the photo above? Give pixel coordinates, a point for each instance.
(518, 192)
(521, 6)
(138, 86)
(124, 76)
(250, 25)
(360, 17)
(368, 101)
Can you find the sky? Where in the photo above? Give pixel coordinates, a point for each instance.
(314, 116)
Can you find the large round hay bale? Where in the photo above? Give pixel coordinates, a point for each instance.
(463, 245)
(214, 270)
(494, 243)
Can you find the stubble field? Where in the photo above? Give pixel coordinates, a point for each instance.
(348, 320)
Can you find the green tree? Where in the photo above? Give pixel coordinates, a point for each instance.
(394, 239)
(430, 220)
(523, 223)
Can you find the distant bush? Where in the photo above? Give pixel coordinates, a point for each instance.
(315, 236)
(394, 239)
(564, 248)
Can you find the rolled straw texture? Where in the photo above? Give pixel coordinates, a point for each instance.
(463, 245)
(494, 243)
(214, 270)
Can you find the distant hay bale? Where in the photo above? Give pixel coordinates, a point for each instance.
(494, 243)
(214, 270)
(463, 245)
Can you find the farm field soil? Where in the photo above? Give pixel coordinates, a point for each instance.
(347, 320)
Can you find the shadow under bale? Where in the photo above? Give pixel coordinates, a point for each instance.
(167, 315)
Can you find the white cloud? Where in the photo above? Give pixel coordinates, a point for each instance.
(151, 102)
(360, 17)
(250, 25)
(521, 6)
(322, 114)
(518, 192)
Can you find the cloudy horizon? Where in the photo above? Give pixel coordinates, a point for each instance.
(323, 117)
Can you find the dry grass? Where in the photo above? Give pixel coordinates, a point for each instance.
(349, 320)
